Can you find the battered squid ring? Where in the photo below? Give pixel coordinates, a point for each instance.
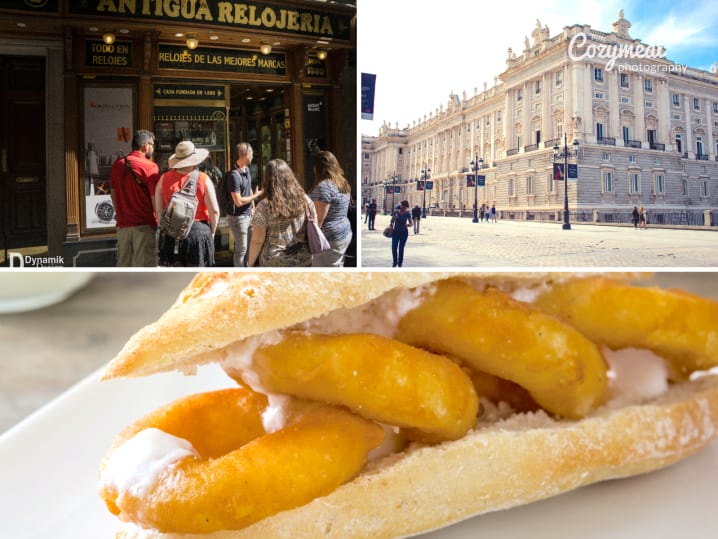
(563, 371)
(323, 448)
(379, 378)
(676, 325)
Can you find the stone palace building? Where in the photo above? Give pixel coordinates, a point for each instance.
(645, 132)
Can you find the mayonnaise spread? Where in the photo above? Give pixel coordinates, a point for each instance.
(135, 466)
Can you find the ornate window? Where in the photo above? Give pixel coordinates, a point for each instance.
(607, 181)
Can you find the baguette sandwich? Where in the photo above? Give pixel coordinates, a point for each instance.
(382, 405)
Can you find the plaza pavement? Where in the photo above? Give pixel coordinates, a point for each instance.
(458, 242)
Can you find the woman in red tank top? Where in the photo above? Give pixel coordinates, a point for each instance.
(197, 249)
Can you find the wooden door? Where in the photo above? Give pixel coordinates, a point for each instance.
(22, 152)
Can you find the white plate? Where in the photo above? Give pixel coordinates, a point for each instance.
(48, 477)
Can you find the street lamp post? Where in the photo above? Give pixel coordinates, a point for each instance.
(425, 176)
(385, 184)
(476, 164)
(393, 181)
(564, 153)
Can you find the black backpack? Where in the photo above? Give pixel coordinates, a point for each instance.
(224, 197)
(178, 216)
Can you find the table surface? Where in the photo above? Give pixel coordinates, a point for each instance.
(49, 350)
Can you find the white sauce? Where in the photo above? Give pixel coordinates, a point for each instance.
(529, 295)
(135, 466)
(393, 442)
(635, 375)
(275, 417)
(379, 317)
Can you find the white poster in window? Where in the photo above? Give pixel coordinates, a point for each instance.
(108, 136)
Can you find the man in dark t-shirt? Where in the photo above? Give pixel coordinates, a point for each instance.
(239, 213)
(371, 211)
(416, 217)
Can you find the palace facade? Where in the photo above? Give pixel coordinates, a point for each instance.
(641, 130)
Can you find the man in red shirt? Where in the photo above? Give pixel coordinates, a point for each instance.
(132, 182)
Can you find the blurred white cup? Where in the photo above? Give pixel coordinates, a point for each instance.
(26, 291)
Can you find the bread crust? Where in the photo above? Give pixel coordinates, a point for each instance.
(523, 459)
(219, 308)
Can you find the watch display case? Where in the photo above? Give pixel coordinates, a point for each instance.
(205, 132)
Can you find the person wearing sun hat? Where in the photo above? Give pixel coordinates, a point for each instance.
(197, 249)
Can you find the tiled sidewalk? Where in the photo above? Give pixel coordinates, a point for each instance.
(454, 242)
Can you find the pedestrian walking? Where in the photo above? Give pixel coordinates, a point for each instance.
(635, 217)
(493, 212)
(371, 212)
(416, 217)
(641, 218)
(400, 223)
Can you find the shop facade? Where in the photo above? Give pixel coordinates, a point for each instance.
(79, 78)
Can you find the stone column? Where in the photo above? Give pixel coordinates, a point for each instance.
(664, 115)
(689, 148)
(548, 91)
(526, 115)
(613, 129)
(708, 145)
(640, 111)
(508, 123)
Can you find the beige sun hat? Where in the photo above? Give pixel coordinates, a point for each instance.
(186, 155)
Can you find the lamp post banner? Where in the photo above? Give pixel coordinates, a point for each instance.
(429, 185)
(470, 179)
(572, 171)
(368, 85)
(558, 171)
(481, 179)
(419, 186)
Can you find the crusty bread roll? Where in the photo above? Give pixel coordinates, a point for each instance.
(498, 465)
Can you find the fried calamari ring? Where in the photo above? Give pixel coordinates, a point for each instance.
(236, 413)
(325, 447)
(676, 325)
(378, 378)
(562, 370)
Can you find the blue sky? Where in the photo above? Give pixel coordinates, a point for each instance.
(422, 51)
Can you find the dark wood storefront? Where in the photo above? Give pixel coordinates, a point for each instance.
(288, 102)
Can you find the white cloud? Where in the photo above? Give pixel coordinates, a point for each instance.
(420, 54)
